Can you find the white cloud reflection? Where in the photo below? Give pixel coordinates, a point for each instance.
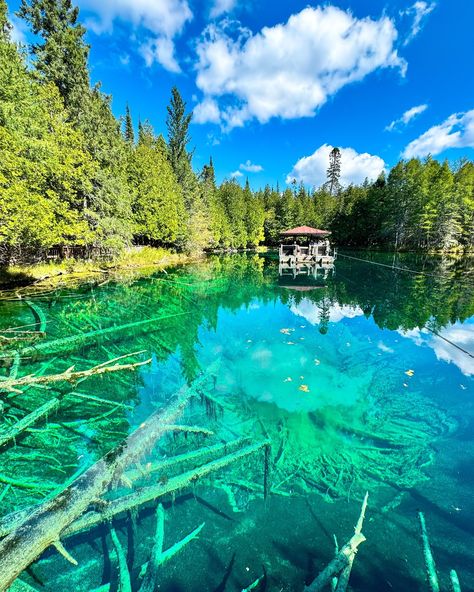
(312, 312)
(459, 334)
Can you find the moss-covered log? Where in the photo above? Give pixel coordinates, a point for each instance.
(9, 434)
(159, 490)
(74, 342)
(45, 525)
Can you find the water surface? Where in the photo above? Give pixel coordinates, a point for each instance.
(361, 378)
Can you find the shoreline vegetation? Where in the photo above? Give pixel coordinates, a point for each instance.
(140, 260)
(75, 180)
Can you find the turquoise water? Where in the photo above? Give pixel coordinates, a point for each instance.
(361, 378)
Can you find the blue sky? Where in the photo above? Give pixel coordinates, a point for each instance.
(274, 85)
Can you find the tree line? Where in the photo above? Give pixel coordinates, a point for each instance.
(73, 175)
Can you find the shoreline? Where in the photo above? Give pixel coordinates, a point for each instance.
(53, 274)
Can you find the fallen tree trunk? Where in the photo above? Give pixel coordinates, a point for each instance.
(158, 490)
(71, 343)
(70, 375)
(343, 559)
(428, 555)
(20, 426)
(45, 525)
(9, 522)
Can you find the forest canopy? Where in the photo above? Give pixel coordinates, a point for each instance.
(75, 178)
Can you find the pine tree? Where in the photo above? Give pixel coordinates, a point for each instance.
(62, 55)
(334, 171)
(5, 25)
(129, 134)
(177, 123)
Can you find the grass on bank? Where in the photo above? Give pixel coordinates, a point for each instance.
(141, 258)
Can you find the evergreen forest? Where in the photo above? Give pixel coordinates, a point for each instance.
(73, 177)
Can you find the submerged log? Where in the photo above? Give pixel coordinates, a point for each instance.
(20, 426)
(149, 570)
(124, 584)
(39, 315)
(453, 576)
(428, 555)
(159, 490)
(13, 385)
(343, 559)
(45, 525)
(73, 342)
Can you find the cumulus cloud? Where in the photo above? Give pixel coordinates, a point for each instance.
(457, 131)
(206, 111)
(419, 11)
(355, 167)
(19, 29)
(291, 69)
(160, 20)
(250, 167)
(220, 7)
(236, 174)
(406, 117)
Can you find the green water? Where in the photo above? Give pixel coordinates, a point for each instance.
(361, 378)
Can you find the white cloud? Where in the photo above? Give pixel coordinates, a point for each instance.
(251, 168)
(162, 21)
(236, 174)
(355, 167)
(290, 70)
(312, 312)
(419, 11)
(207, 111)
(457, 131)
(19, 29)
(407, 117)
(160, 50)
(220, 7)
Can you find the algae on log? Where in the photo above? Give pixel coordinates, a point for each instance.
(45, 525)
(15, 430)
(149, 570)
(71, 343)
(343, 560)
(153, 492)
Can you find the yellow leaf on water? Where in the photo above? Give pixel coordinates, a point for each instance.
(410, 372)
(304, 388)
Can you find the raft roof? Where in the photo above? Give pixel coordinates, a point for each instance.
(305, 231)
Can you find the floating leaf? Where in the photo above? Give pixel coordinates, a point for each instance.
(286, 331)
(304, 388)
(410, 372)
(317, 362)
(288, 379)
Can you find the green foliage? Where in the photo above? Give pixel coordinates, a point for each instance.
(61, 56)
(129, 134)
(158, 208)
(5, 26)
(70, 176)
(44, 168)
(334, 171)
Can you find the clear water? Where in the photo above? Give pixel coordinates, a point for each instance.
(361, 378)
